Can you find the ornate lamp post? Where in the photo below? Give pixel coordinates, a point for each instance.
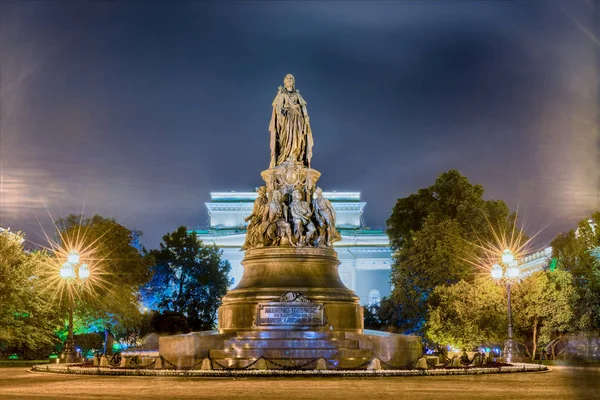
(508, 272)
(73, 272)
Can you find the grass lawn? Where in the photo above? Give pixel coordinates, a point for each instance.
(22, 363)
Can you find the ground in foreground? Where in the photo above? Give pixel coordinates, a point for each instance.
(561, 383)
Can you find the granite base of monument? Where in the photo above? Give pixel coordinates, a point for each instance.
(290, 308)
(288, 348)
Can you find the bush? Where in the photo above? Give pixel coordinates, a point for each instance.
(88, 342)
(372, 319)
(169, 322)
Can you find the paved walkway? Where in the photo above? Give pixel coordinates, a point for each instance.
(18, 383)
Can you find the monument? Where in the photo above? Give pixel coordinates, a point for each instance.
(290, 306)
(289, 245)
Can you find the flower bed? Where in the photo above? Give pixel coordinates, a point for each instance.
(90, 370)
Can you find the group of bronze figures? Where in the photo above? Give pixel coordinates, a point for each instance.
(280, 219)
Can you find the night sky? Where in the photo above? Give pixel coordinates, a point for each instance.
(138, 110)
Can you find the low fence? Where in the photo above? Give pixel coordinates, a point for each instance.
(91, 370)
(151, 361)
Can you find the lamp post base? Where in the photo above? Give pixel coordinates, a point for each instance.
(69, 355)
(511, 353)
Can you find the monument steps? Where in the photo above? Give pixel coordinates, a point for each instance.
(288, 347)
(276, 363)
(289, 334)
(292, 343)
(294, 353)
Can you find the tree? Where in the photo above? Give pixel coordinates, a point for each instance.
(119, 265)
(371, 317)
(467, 315)
(27, 320)
(88, 342)
(578, 252)
(544, 306)
(435, 234)
(169, 322)
(452, 197)
(189, 278)
(432, 259)
(133, 335)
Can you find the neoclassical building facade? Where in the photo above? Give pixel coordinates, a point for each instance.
(364, 252)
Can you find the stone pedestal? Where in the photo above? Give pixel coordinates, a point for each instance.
(272, 272)
(289, 348)
(292, 309)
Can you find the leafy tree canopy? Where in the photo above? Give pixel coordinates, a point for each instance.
(467, 315)
(544, 305)
(118, 266)
(436, 234)
(372, 317)
(88, 343)
(578, 252)
(189, 278)
(169, 322)
(451, 197)
(115, 248)
(27, 321)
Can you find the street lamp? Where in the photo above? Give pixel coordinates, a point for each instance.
(73, 272)
(507, 270)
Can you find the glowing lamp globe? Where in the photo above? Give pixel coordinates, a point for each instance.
(507, 256)
(84, 271)
(496, 271)
(73, 257)
(67, 271)
(512, 272)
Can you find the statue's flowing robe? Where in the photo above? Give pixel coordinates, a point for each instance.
(273, 214)
(300, 210)
(325, 214)
(253, 230)
(291, 136)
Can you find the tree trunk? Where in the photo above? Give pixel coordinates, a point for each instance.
(525, 347)
(553, 345)
(107, 342)
(181, 278)
(535, 326)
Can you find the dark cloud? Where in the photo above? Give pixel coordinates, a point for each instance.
(139, 112)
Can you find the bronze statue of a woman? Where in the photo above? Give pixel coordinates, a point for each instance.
(291, 137)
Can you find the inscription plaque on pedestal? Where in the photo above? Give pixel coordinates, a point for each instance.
(290, 314)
